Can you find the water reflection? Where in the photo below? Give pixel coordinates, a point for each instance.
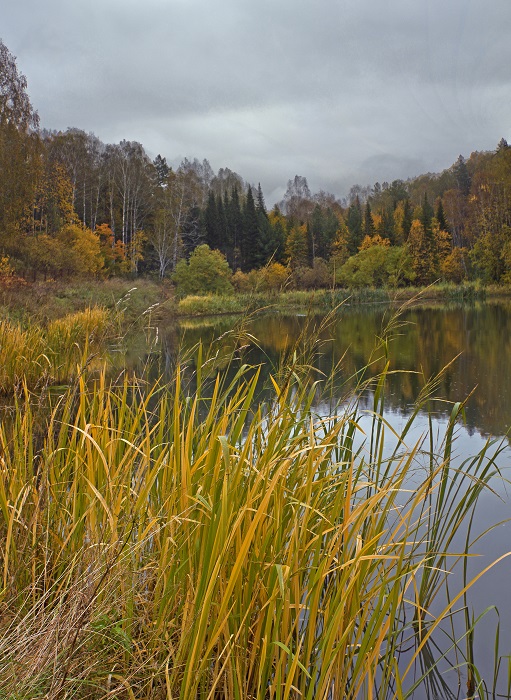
(428, 339)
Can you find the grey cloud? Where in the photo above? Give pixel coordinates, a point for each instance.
(329, 90)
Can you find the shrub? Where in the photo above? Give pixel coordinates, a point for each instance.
(207, 272)
(377, 266)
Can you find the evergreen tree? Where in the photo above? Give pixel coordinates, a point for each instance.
(440, 216)
(368, 221)
(314, 233)
(427, 214)
(386, 227)
(407, 218)
(162, 170)
(222, 233)
(296, 247)
(462, 176)
(211, 224)
(250, 255)
(278, 241)
(354, 223)
(260, 205)
(235, 223)
(266, 246)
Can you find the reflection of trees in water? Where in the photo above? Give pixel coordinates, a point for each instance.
(428, 341)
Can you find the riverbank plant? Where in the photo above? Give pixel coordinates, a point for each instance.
(37, 355)
(328, 299)
(190, 540)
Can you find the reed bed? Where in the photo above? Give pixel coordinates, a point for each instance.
(186, 540)
(328, 299)
(39, 355)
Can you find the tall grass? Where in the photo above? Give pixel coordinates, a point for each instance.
(37, 355)
(327, 299)
(161, 541)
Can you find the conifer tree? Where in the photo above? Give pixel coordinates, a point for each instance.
(162, 170)
(296, 247)
(407, 218)
(354, 223)
(211, 224)
(222, 233)
(250, 241)
(462, 176)
(235, 223)
(386, 227)
(368, 221)
(440, 216)
(427, 214)
(266, 245)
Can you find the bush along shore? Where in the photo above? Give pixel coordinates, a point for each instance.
(189, 540)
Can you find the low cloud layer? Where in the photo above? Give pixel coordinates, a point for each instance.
(341, 91)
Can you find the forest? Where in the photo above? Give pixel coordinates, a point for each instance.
(71, 206)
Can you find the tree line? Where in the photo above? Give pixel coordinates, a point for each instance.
(72, 205)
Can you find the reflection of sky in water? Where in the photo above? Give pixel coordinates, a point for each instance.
(493, 508)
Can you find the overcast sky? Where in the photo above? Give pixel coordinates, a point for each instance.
(339, 91)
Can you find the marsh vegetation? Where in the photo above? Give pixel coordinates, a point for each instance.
(213, 535)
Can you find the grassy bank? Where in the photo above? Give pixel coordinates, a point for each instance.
(43, 302)
(139, 298)
(182, 541)
(327, 299)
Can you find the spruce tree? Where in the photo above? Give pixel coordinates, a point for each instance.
(162, 170)
(368, 221)
(387, 228)
(222, 234)
(314, 233)
(235, 218)
(260, 205)
(440, 216)
(407, 218)
(211, 223)
(278, 241)
(427, 214)
(354, 223)
(462, 176)
(250, 240)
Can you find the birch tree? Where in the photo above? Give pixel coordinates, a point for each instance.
(175, 212)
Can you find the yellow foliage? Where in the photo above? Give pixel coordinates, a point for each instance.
(453, 267)
(80, 250)
(275, 276)
(8, 277)
(6, 269)
(443, 242)
(370, 241)
(340, 251)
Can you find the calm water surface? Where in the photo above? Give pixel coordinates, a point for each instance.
(428, 339)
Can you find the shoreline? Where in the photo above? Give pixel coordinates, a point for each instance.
(144, 301)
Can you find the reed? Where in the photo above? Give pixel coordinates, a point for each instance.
(189, 541)
(37, 355)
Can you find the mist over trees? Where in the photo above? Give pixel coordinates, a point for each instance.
(72, 205)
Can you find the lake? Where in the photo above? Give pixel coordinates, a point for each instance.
(424, 340)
